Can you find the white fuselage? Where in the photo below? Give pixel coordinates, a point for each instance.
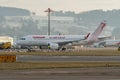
(112, 43)
(37, 40)
(109, 43)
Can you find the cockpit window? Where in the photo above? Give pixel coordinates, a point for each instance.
(22, 38)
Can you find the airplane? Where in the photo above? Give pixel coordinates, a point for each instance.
(58, 41)
(108, 43)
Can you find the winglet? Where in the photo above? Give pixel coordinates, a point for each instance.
(87, 35)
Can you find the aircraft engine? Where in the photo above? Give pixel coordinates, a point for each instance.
(53, 46)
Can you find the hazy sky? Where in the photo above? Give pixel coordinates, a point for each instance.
(39, 6)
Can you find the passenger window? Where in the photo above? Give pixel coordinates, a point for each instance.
(22, 38)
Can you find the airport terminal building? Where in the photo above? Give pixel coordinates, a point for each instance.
(28, 25)
(57, 24)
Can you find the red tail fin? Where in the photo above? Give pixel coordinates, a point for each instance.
(97, 32)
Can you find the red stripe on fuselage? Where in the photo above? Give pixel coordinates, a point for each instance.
(38, 36)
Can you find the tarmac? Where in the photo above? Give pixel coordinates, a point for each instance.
(62, 74)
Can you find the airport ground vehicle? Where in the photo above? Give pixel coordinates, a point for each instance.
(5, 45)
(119, 48)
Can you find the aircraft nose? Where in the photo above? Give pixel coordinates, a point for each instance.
(18, 42)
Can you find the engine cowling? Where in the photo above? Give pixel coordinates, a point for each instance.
(53, 46)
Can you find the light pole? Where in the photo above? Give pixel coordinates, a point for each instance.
(49, 11)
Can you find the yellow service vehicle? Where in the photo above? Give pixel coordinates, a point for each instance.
(5, 45)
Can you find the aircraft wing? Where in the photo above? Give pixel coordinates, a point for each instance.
(68, 42)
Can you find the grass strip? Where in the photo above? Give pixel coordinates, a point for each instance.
(68, 53)
(49, 65)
